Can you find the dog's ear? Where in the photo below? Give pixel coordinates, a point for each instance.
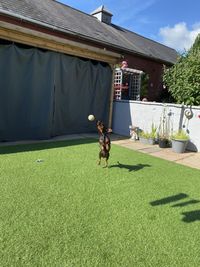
(98, 122)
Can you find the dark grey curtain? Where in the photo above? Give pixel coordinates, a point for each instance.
(43, 93)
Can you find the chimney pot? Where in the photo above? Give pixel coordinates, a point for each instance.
(102, 14)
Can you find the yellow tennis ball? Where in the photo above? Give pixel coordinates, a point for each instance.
(91, 117)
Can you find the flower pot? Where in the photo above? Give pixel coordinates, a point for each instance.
(147, 141)
(163, 143)
(179, 146)
(151, 141)
(144, 140)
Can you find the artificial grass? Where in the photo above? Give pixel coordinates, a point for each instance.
(64, 210)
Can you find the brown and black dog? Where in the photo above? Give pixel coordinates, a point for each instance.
(104, 142)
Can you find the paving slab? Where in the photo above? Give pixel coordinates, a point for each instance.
(191, 159)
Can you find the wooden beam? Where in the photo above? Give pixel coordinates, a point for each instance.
(34, 38)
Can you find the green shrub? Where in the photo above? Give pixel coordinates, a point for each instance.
(152, 134)
(144, 134)
(183, 79)
(180, 135)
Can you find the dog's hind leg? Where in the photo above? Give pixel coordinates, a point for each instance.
(99, 161)
(106, 160)
(106, 163)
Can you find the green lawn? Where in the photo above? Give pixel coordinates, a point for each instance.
(65, 210)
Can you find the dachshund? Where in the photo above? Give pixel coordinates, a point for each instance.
(104, 142)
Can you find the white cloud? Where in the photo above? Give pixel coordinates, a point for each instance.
(179, 36)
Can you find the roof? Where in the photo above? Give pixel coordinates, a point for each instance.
(52, 14)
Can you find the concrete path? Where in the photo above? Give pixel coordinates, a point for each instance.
(191, 159)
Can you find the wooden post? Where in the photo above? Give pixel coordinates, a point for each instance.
(111, 97)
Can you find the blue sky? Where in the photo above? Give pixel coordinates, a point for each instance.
(172, 22)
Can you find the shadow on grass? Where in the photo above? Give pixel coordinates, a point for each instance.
(43, 145)
(189, 216)
(183, 204)
(130, 168)
(167, 200)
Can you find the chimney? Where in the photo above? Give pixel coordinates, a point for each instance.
(102, 14)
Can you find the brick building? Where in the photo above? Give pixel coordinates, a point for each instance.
(58, 61)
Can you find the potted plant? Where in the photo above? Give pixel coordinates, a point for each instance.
(163, 131)
(179, 141)
(152, 134)
(143, 137)
(149, 137)
(163, 140)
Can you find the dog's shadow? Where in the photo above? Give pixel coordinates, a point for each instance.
(130, 168)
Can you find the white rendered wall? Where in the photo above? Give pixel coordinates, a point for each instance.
(143, 114)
